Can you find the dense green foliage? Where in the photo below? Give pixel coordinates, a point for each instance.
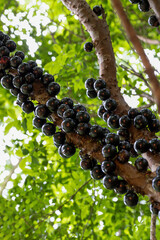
(46, 198)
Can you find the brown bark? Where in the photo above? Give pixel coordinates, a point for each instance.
(155, 85)
(155, 5)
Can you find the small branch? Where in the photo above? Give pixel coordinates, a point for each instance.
(149, 41)
(153, 227)
(140, 51)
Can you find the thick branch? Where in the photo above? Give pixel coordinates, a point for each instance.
(140, 51)
(155, 5)
(153, 227)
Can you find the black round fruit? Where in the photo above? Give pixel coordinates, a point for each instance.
(124, 145)
(15, 61)
(26, 88)
(42, 111)
(14, 91)
(53, 88)
(96, 173)
(154, 145)
(61, 109)
(156, 183)
(131, 199)
(146, 113)
(79, 107)
(48, 129)
(22, 97)
(123, 156)
(134, 1)
(125, 121)
(112, 138)
(38, 122)
(4, 62)
(106, 115)
(4, 51)
(32, 64)
(89, 83)
(154, 125)
(82, 129)
(121, 187)
(88, 46)
(96, 131)
(109, 150)
(140, 122)
(110, 182)
(27, 107)
(82, 116)
(108, 167)
(101, 111)
(153, 21)
(68, 150)
(59, 138)
(24, 68)
(47, 78)
(20, 54)
(88, 163)
(18, 81)
(141, 146)
(133, 112)
(123, 134)
(37, 71)
(30, 78)
(110, 104)
(158, 171)
(69, 113)
(103, 94)
(11, 45)
(53, 104)
(68, 101)
(144, 6)
(141, 164)
(91, 93)
(97, 10)
(113, 121)
(6, 81)
(68, 125)
(99, 84)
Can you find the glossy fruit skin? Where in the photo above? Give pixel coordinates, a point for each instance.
(30, 78)
(88, 163)
(61, 109)
(134, 1)
(123, 156)
(133, 153)
(140, 122)
(89, 83)
(110, 104)
(68, 125)
(110, 181)
(97, 10)
(22, 97)
(133, 112)
(82, 116)
(69, 113)
(27, 107)
(108, 167)
(60, 152)
(121, 187)
(146, 113)
(14, 91)
(101, 111)
(20, 54)
(59, 138)
(112, 138)
(4, 62)
(91, 93)
(53, 88)
(131, 199)
(103, 94)
(144, 6)
(153, 210)
(32, 64)
(99, 84)
(83, 129)
(96, 131)
(141, 164)
(96, 173)
(26, 88)
(153, 21)
(47, 78)
(141, 146)
(88, 46)
(53, 104)
(18, 81)
(6, 81)
(11, 45)
(4, 51)
(38, 122)
(79, 107)
(15, 61)
(124, 145)
(123, 134)
(113, 121)
(125, 121)
(109, 150)
(158, 171)
(68, 150)
(154, 145)
(23, 68)
(37, 71)
(48, 129)
(68, 101)
(154, 125)
(42, 111)
(156, 183)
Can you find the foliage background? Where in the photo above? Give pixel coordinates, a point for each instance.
(42, 195)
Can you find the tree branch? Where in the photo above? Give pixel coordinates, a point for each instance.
(155, 5)
(140, 51)
(153, 227)
(149, 41)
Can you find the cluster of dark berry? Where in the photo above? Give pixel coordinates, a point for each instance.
(144, 6)
(115, 147)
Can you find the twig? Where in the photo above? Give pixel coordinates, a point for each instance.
(153, 227)
(140, 51)
(148, 40)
